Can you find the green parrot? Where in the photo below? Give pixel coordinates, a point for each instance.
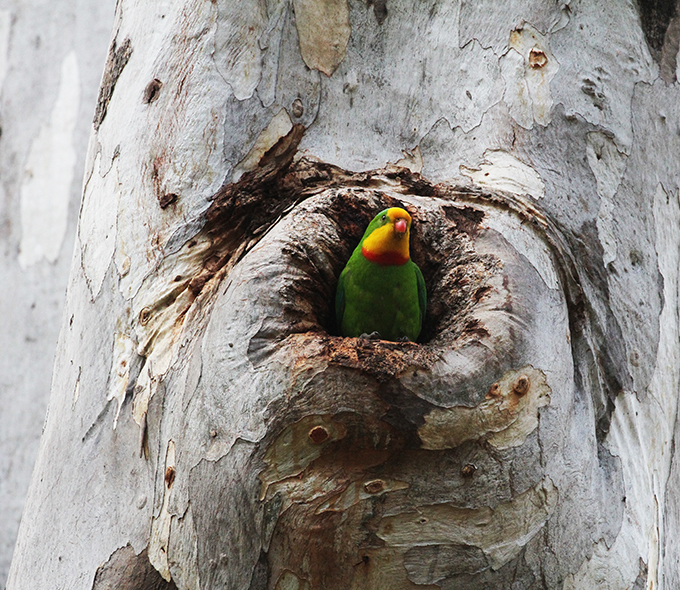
(381, 289)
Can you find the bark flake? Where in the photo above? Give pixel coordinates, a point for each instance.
(115, 63)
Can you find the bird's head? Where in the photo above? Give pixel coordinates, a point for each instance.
(386, 240)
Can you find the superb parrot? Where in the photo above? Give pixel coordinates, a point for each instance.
(381, 289)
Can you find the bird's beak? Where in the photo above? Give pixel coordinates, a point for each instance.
(400, 226)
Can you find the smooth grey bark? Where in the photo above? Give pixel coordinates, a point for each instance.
(51, 56)
(205, 419)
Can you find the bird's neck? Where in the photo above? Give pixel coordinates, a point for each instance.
(383, 246)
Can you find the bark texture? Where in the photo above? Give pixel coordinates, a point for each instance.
(51, 56)
(206, 418)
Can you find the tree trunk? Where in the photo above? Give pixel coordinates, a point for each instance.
(51, 56)
(208, 428)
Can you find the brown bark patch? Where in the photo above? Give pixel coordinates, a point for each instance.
(126, 571)
(537, 58)
(152, 91)
(167, 199)
(323, 29)
(115, 63)
(169, 476)
(380, 358)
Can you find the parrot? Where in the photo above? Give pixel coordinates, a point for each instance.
(381, 291)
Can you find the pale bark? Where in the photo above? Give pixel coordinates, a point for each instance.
(51, 57)
(204, 418)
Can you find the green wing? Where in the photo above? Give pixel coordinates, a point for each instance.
(356, 258)
(340, 301)
(422, 294)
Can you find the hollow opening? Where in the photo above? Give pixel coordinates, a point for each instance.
(442, 234)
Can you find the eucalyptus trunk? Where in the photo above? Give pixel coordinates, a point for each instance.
(51, 57)
(208, 427)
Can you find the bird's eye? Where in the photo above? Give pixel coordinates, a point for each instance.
(384, 217)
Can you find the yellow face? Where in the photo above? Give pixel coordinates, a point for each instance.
(392, 236)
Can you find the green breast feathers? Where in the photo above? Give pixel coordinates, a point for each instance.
(381, 289)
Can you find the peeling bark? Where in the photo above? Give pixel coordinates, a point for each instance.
(116, 61)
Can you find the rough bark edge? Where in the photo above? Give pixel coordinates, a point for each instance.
(124, 570)
(115, 63)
